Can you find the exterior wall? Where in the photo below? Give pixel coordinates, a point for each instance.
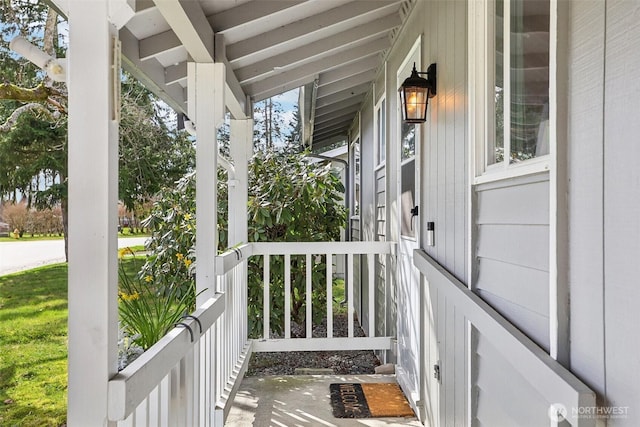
(367, 201)
(445, 148)
(604, 205)
(443, 189)
(586, 186)
(512, 233)
(444, 137)
(512, 251)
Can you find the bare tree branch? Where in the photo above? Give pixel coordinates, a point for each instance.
(38, 94)
(50, 31)
(13, 118)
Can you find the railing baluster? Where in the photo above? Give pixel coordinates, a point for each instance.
(287, 296)
(164, 395)
(329, 295)
(174, 404)
(265, 298)
(349, 294)
(196, 381)
(154, 407)
(129, 422)
(188, 387)
(372, 294)
(308, 294)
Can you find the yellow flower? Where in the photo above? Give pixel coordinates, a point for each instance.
(148, 279)
(187, 216)
(128, 297)
(187, 262)
(180, 257)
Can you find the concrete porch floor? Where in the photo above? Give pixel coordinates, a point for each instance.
(299, 400)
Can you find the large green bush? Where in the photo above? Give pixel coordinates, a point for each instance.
(290, 199)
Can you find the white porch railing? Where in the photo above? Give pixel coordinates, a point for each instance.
(309, 250)
(189, 377)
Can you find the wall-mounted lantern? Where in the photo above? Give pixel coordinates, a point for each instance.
(415, 93)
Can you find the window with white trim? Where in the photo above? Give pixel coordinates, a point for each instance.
(518, 96)
(381, 133)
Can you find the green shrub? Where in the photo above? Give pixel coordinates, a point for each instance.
(290, 200)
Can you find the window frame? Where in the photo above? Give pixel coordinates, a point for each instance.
(380, 108)
(481, 94)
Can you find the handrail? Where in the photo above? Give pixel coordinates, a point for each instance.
(344, 248)
(232, 257)
(132, 385)
(544, 373)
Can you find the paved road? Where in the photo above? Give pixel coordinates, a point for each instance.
(18, 256)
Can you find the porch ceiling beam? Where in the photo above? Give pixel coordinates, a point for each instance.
(343, 131)
(190, 25)
(349, 102)
(306, 26)
(313, 68)
(140, 5)
(282, 87)
(331, 126)
(157, 44)
(246, 13)
(235, 97)
(320, 48)
(335, 114)
(345, 95)
(346, 84)
(175, 73)
(334, 122)
(149, 73)
(370, 63)
(168, 40)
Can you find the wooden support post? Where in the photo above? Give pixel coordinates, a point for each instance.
(93, 214)
(206, 107)
(241, 151)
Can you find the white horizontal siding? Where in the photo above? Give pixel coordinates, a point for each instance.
(512, 251)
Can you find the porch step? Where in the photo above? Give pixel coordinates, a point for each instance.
(299, 400)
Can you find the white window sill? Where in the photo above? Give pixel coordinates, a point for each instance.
(529, 167)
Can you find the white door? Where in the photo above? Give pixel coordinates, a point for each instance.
(408, 298)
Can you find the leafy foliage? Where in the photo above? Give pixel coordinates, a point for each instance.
(290, 199)
(152, 154)
(147, 311)
(173, 231)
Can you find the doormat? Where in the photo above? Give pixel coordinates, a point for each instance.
(370, 400)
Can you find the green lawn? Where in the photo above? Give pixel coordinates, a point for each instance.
(33, 337)
(29, 238)
(33, 345)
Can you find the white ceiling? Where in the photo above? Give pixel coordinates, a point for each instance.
(270, 47)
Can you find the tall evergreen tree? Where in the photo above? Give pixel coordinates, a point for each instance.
(33, 132)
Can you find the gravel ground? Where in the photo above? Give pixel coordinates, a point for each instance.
(342, 362)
